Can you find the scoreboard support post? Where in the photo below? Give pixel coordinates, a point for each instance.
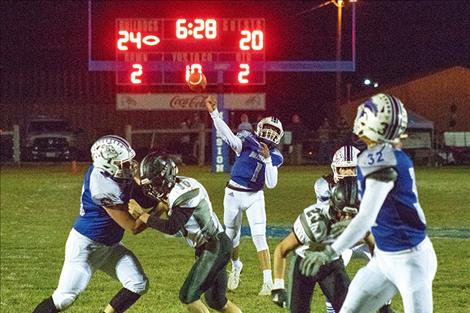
(220, 155)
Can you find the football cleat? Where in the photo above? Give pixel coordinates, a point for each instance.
(234, 277)
(279, 297)
(266, 289)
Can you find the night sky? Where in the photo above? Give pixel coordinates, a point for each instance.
(395, 40)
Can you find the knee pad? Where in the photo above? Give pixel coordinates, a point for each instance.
(216, 303)
(234, 235)
(63, 300)
(139, 286)
(258, 235)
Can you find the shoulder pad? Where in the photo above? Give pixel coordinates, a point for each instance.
(379, 157)
(185, 198)
(277, 157)
(184, 193)
(104, 191)
(384, 174)
(322, 190)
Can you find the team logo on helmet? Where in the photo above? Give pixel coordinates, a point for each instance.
(114, 155)
(382, 118)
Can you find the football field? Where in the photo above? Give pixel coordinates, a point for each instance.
(40, 202)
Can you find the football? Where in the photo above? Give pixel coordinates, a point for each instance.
(197, 82)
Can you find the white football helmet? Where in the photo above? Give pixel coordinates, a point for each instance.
(344, 157)
(382, 118)
(270, 128)
(114, 155)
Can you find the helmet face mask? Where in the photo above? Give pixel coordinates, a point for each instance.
(270, 129)
(344, 201)
(158, 175)
(344, 163)
(114, 155)
(382, 118)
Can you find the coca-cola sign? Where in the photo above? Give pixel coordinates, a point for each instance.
(188, 101)
(194, 102)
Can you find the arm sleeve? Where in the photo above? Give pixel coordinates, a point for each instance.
(372, 201)
(270, 174)
(227, 135)
(175, 222)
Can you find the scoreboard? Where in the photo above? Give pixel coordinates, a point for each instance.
(160, 43)
(185, 45)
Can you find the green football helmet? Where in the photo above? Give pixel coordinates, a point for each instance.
(157, 175)
(344, 198)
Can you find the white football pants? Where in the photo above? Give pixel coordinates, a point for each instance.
(84, 256)
(410, 272)
(360, 251)
(235, 202)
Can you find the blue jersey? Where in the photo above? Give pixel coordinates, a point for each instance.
(249, 167)
(100, 189)
(401, 223)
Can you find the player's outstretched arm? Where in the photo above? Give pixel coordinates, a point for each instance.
(288, 244)
(178, 218)
(120, 214)
(281, 252)
(226, 133)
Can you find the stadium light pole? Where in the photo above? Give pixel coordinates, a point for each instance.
(339, 29)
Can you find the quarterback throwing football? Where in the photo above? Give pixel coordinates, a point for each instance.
(256, 164)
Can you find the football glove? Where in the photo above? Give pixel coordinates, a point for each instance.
(310, 265)
(338, 228)
(279, 297)
(135, 209)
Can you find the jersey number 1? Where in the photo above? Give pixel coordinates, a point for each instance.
(258, 168)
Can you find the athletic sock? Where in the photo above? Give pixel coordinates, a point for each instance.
(329, 308)
(279, 283)
(267, 276)
(237, 264)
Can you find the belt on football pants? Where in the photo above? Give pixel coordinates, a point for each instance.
(240, 189)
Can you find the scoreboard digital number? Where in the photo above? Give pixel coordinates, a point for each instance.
(189, 45)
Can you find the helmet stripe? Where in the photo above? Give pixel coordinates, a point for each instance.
(399, 117)
(394, 127)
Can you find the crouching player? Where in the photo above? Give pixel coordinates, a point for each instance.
(316, 227)
(94, 242)
(343, 165)
(190, 213)
(404, 258)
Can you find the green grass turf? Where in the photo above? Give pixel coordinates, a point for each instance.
(40, 203)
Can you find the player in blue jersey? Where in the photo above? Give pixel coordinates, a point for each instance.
(404, 258)
(94, 241)
(256, 164)
(343, 165)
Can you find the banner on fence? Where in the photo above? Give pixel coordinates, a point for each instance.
(188, 101)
